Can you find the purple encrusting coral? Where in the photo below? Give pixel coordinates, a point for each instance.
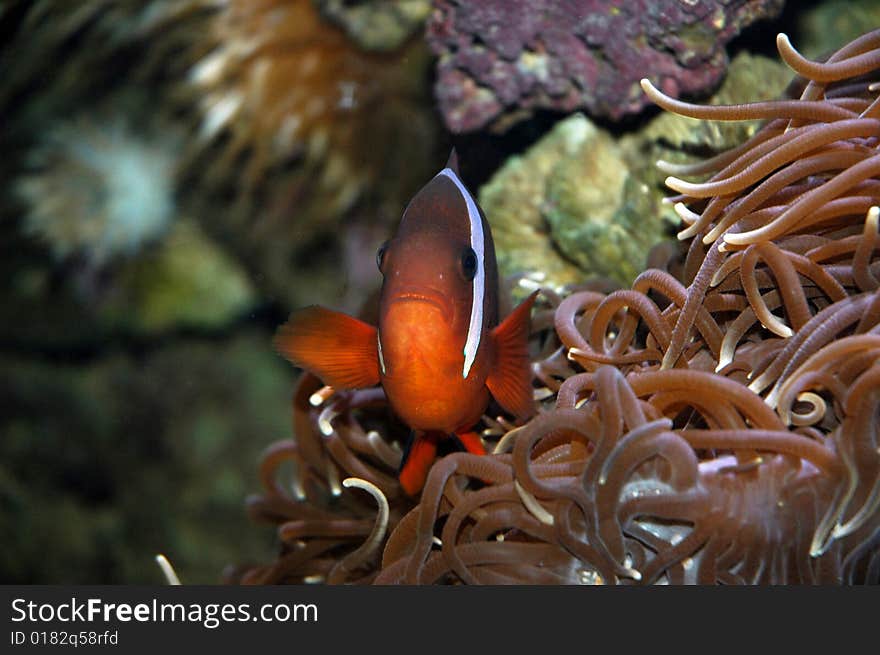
(500, 57)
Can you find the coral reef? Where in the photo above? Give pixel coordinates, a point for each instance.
(283, 140)
(177, 174)
(750, 78)
(719, 426)
(98, 192)
(498, 61)
(122, 342)
(146, 246)
(93, 146)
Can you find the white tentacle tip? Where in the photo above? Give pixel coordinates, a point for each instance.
(167, 570)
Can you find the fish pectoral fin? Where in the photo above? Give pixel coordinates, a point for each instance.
(337, 348)
(420, 453)
(510, 380)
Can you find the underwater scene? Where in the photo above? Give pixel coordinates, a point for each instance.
(440, 292)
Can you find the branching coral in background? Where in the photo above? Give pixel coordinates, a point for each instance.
(721, 426)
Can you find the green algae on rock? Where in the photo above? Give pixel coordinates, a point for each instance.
(568, 207)
(605, 226)
(680, 139)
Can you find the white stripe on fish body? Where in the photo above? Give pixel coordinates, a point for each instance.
(475, 328)
(381, 359)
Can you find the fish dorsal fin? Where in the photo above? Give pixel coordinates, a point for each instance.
(452, 162)
(339, 349)
(510, 380)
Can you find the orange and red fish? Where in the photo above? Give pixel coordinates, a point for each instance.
(438, 351)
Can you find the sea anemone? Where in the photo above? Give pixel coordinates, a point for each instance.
(320, 523)
(720, 426)
(299, 131)
(98, 189)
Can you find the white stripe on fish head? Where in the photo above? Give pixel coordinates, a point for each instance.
(475, 328)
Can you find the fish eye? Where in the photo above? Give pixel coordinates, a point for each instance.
(380, 255)
(469, 263)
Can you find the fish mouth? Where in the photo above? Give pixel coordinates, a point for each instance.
(427, 296)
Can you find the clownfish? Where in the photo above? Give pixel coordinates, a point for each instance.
(438, 351)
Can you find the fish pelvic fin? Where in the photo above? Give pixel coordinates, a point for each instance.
(417, 460)
(471, 442)
(510, 380)
(337, 348)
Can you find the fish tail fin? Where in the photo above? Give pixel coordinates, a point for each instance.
(420, 453)
(337, 348)
(510, 380)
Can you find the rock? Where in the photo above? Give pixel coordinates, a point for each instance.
(379, 25)
(580, 203)
(497, 58)
(568, 209)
